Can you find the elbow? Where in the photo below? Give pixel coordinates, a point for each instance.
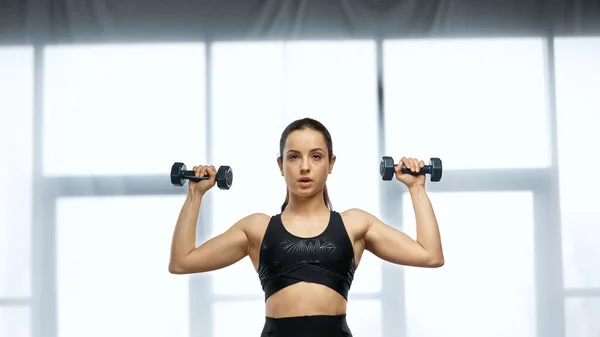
(177, 268)
(432, 260)
(174, 270)
(437, 262)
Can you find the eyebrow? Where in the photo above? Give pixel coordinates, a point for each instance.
(316, 149)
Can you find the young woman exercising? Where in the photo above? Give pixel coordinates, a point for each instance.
(306, 256)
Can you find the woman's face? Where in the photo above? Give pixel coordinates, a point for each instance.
(305, 164)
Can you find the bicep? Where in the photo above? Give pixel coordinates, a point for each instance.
(393, 245)
(218, 252)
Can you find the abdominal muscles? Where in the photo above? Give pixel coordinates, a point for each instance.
(305, 299)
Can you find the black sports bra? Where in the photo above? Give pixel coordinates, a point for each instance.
(286, 259)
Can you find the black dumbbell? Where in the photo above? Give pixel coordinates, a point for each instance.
(179, 175)
(386, 169)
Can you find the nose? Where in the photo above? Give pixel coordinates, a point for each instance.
(305, 168)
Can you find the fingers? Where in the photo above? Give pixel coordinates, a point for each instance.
(412, 164)
(212, 174)
(197, 171)
(201, 171)
(204, 170)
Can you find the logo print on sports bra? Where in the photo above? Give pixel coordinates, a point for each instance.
(307, 246)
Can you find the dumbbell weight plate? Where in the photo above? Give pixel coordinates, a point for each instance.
(436, 169)
(224, 177)
(177, 178)
(386, 168)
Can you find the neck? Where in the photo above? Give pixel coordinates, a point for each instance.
(306, 205)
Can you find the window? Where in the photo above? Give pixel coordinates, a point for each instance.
(247, 122)
(581, 316)
(112, 259)
(249, 318)
(578, 103)
(485, 97)
(15, 322)
(364, 317)
(487, 283)
(16, 171)
(123, 109)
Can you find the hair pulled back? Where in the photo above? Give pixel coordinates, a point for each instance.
(301, 124)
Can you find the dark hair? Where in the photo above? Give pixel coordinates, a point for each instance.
(301, 124)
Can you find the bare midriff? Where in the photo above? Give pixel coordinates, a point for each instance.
(305, 299)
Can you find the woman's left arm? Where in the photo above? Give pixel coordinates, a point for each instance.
(394, 246)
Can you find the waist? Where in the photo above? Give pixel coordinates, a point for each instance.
(299, 320)
(305, 299)
(313, 325)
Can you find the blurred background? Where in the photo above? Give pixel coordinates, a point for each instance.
(99, 97)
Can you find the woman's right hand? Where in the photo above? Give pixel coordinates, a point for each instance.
(203, 186)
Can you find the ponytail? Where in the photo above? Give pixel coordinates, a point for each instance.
(325, 199)
(287, 200)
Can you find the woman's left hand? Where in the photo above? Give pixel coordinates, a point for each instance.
(408, 179)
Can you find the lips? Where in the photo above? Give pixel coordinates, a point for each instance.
(304, 180)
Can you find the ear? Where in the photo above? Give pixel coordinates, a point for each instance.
(280, 163)
(331, 163)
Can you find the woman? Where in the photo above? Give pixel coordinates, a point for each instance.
(306, 256)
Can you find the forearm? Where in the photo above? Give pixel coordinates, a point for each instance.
(184, 235)
(428, 233)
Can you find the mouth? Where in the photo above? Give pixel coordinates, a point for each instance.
(305, 180)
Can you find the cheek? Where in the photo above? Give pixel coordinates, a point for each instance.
(288, 168)
(323, 169)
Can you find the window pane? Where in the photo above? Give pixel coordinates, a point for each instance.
(108, 108)
(327, 80)
(15, 322)
(487, 96)
(578, 104)
(244, 318)
(255, 81)
(112, 268)
(581, 316)
(16, 171)
(493, 285)
(364, 317)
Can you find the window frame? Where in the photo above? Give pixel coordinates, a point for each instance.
(550, 292)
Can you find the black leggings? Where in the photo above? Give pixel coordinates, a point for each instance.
(307, 326)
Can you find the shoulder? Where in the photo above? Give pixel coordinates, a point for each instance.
(356, 217)
(252, 222)
(358, 222)
(355, 213)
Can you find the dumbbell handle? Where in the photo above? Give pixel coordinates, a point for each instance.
(191, 176)
(427, 169)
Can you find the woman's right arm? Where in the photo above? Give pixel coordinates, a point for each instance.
(218, 252)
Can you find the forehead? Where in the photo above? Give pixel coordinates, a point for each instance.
(305, 139)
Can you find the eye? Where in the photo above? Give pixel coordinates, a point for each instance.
(317, 156)
(292, 156)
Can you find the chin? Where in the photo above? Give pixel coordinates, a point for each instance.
(307, 192)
